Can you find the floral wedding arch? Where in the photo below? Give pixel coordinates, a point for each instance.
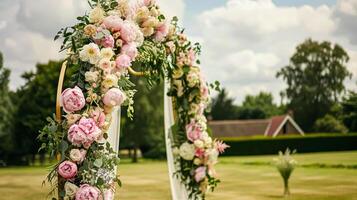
(104, 48)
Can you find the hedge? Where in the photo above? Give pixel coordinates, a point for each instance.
(303, 144)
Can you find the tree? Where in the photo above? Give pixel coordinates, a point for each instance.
(6, 112)
(35, 101)
(315, 77)
(349, 109)
(223, 107)
(263, 103)
(146, 130)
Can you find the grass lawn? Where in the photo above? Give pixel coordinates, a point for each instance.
(241, 180)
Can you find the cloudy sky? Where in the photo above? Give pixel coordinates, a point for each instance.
(244, 42)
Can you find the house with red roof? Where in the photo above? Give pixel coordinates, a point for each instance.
(277, 125)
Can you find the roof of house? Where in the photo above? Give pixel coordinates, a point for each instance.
(267, 127)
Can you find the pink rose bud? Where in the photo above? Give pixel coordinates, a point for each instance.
(114, 97)
(67, 169)
(130, 50)
(123, 61)
(200, 174)
(72, 99)
(87, 192)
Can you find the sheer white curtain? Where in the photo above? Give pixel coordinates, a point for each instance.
(178, 190)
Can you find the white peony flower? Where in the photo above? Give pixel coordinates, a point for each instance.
(91, 77)
(106, 53)
(90, 52)
(96, 15)
(187, 151)
(212, 155)
(70, 189)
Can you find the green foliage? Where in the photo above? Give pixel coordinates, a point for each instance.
(263, 103)
(315, 79)
(349, 110)
(223, 107)
(308, 143)
(145, 130)
(6, 112)
(329, 124)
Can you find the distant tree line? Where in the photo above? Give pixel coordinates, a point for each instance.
(315, 93)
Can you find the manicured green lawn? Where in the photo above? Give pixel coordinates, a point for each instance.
(241, 180)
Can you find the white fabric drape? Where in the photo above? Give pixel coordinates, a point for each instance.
(114, 129)
(178, 190)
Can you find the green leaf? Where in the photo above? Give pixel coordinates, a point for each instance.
(98, 162)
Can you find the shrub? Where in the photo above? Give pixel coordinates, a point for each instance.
(329, 124)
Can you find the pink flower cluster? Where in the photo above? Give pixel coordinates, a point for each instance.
(84, 133)
(87, 192)
(72, 99)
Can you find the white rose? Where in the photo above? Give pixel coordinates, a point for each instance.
(187, 151)
(96, 15)
(106, 53)
(208, 141)
(110, 81)
(193, 79)
(198, 143)
(77, 155)
(70, 189)
(91, 77)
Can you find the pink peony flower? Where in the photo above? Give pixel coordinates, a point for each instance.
(67, 169)
(161, 32)
(149, 2)
(76, 135)
(191, 55)
(108, 194)
(107, 41)
(221, 146)
(123, 61)
(200, 174)
(98, 115)
(72, 99)
(114, 97)
(130, 50)
(128, 32)
(193, 131)
(77, 155)
(200, 152)
(87, 192)
(90, 128)
(113, 23)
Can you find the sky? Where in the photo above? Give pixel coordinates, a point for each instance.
(245, 42)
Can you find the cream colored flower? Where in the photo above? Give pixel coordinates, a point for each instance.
(177, 73)
(110, 81)
(193, 78)
(105, 64)
(72, 118)
(106, 53)
(142, 14)
(91, 77)
(197, 161)
(154, 12)
(90, 53)
(187, 151)
(90, 30)
(96, 15)
(179, 87)
(148, 31)
(70, 189)
(151, 22)
(199, 143)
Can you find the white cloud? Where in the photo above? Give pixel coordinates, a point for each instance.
(246, 42)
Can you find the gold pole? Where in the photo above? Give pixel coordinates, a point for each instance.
(59, 91)
(136, 73)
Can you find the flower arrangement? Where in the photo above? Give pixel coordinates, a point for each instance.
(285, 165)
(102, 47)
